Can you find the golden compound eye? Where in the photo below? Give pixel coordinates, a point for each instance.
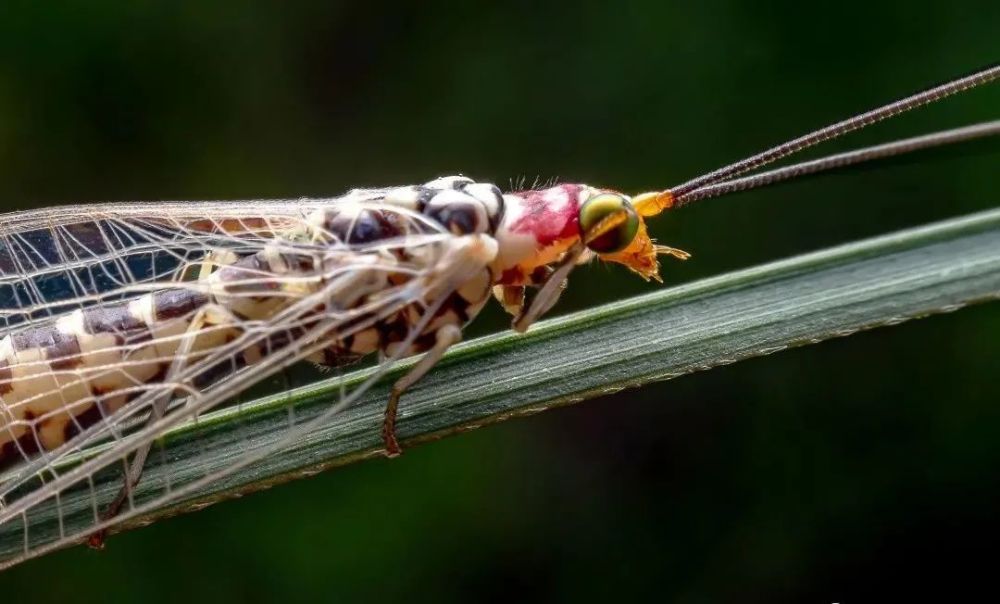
(608, 223)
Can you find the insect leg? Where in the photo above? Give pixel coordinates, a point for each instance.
(511, 297)
(445, 337)
(550, 291)
(212, 314)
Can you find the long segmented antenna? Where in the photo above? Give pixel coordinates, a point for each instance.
(847, 158)
(679, 193)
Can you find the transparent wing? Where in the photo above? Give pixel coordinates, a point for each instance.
(59, 258)
(102, 258)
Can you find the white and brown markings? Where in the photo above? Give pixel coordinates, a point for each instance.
(76, 370)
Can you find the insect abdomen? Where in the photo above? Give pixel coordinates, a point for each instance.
(57, 379)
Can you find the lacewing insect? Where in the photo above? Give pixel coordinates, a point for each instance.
(120, 321)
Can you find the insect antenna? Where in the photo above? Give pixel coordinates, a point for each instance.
(679, 194)
(847, 158)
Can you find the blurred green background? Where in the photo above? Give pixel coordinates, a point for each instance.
(860, 467)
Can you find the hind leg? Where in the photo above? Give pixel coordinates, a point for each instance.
(133, 471)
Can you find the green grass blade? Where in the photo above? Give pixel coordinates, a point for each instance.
(672, 332)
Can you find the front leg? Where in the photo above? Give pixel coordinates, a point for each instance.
(550, 290)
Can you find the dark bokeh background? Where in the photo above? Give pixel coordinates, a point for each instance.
(838, 472)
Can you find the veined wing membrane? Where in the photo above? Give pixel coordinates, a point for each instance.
(61, 272)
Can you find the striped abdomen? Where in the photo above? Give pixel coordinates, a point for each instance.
(57, 379)
(64, 376)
